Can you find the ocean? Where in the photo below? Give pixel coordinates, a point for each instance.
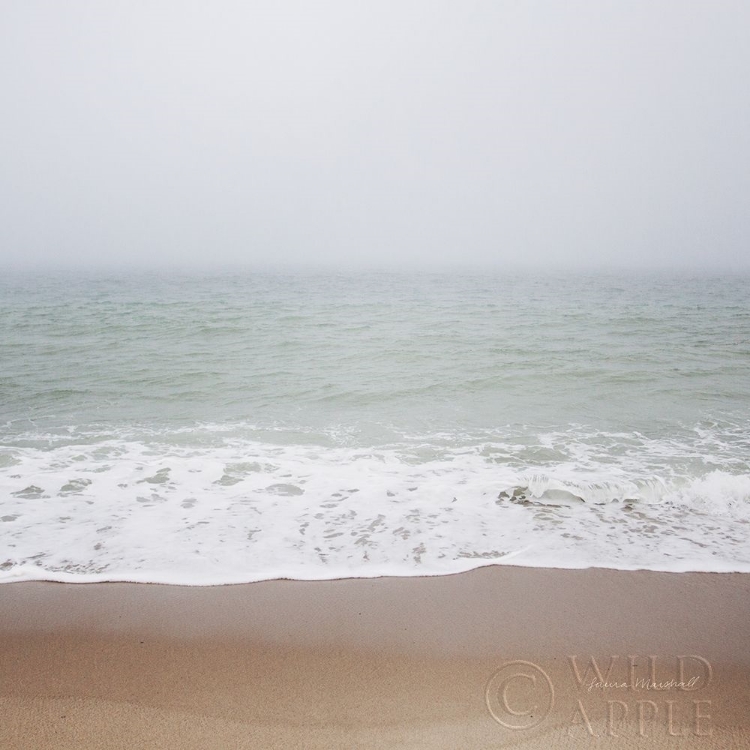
(231, 427)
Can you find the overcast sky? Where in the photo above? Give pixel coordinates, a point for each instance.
(375, 133)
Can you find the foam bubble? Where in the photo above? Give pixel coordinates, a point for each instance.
(191, 509)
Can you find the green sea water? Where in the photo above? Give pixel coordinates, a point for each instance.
(238, 426)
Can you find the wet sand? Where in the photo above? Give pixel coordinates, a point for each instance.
(497, 657)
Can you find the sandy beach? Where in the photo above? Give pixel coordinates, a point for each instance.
(496, 657)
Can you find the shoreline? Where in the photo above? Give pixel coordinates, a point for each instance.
(85, 579)
(381, 662)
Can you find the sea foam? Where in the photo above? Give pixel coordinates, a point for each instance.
(170, 510)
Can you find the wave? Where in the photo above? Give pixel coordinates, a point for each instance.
(228, 504)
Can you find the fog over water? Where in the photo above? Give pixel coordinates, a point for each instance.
(407, 134)
(179, 403)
